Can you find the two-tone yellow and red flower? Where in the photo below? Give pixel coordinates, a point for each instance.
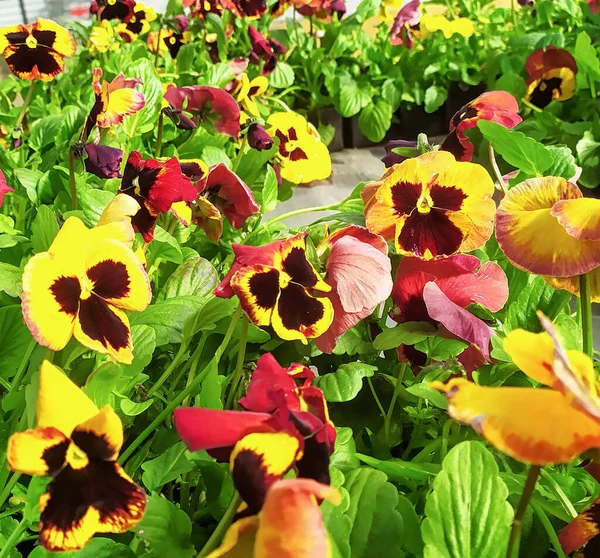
(495, 106)
(360, 275)
(172, 38)
(432, 206)
(77, 445)
(37, 50)
(303, 156)
(82, 286)
(278, 286)
(137, 23)
(552, 72)
(545, 226)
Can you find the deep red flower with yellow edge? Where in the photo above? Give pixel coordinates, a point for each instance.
(534, 425)
(552, 76)
(432, 206)
(156, 186)
(37, 50)
(545, 226)
(77, 445)
(113, 9)
(278, 286)
(82, 285)
(289, 524)
(495, 106)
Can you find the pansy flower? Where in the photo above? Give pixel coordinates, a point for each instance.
(552, 73)
(323, 10)
(102, 38)
(136, 24)
(77, 445)
(207, 103)
(171, 39)
(303, 156)
(113, 9)
(224, 191)
(439, 292)
(156, 186)
(407, 18)
(430, 24)
(496, 106)
(545, 226)
(534, 425)
(360, 274)
(248, 91)
(4, 188)
(248, 9)
(264, 49)
(37, 50)
(114, 101)
(432, 206)
(258, 138)
(82, 285)
(103, 161)
(200, 8)
(275, 285)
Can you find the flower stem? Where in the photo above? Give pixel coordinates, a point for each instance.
(514, 542)
(8, 488)
(185, 393)
(560, 495)
(15, 538)
(159, 135)
(497, 173)
(388, 416)
(157, 53)
(237, 375)
(240, 154)
(72, 184)
(549, 530)
(26, 102)
(22, 367)
(513, 10)
(222, 527)
(167, 373)
(330, 207)
(586, 315)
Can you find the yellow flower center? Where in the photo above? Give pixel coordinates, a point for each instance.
(425, 203)
(87, 287)
(76, 458)
(31, 41)
(136, 183)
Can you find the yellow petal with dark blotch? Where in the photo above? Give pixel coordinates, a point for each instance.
(538, 426)
(100, 437)
(257, 287)
(98, 498)
(579, 217)
(239, 539)
(39, 451)
(9, 30)
(296, 266)
(64, 43)
(60, 403)
(43, 63)
(581, 529)
(291, 524)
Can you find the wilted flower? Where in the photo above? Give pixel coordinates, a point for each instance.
(82, 285)
(4, 188)
(37, 50)
(495, 106)
(77, 445)
(258, 138)
(407, 18)
(264, 49)
(103, 161)
(304, 157)
(390, 159)
(551, 76)
(432, 206)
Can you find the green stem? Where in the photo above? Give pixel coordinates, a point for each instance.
(239, 366)
(240, 154)
(22, 367)
(194, 365)
(183, 394)
(15, 538)
(167, 373)
(499, 178)
(8, 488)
(586, 315)
(514, 542)
(72, 184)
(513, 9)
(549, 530)
(219, 532)
(159, 135)
(560, 495)
(445, 438)
(592, 86)
(329, 207)
(388, 416)
(26, 102)
(376, 397)
(157, 53)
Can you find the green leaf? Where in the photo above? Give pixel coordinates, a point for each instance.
(207, 316)
(376, 524)
(194, 277)
(467, 515)
(133, 409)
(144, 342)
(101, 383)
(219, 75)
(564, 162)
(166, 529)
(586, 56)
(144, 120)
(407, 333)
(97, 548)
(344, 456)
(412, 541)
(45, 131)
(425, 392)
(398, 470)
(517, 149)
(43, 229)
(270, 191)
(391, 93)
(29, 179)
(438, 348)
(10, 279)
(588, 152)
(165, 246)
(15, 339)
(435, 97)
(212, 155)
(345, 383)
(166, 467)
(352, 96)
(282, 76)
(214, 25)
(93, 202)
(375, 119)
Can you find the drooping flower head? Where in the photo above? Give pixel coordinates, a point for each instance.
(4, 188)
(432, 206)
(204, 103)
(495, 106)
(113, 9)
(545, 226)
(103, 161)
(439, 291)
(408, 17)
(258, 138)
(37, 50)
(304, 157)
(552, 74)
(156, 186)
(77, 445)
(114, 101)
(82, 285)
(360, 274)
(264, 49)
(136, 24)
(275, 283)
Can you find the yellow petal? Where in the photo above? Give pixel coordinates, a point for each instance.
(37, 451)
(100, 437)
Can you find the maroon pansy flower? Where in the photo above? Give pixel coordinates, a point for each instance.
(251, 9)
(103, 161)
(264, 49)
(122, 10)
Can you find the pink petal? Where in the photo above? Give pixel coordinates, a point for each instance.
(4, 188)
(361, 233)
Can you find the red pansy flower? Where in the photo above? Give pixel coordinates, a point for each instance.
(360, 274)
(264, 49)
(156, 186)
(203, 102)
(406, 19)
(113, 9)
(439, 292)
(496, 106)
(552, 76)
(4, 188)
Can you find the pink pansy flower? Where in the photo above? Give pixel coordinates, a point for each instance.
(4, 188)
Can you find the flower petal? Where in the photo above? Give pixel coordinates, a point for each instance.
(100, 437)
(257, 287)
(581, 529)
(40, 451)
(579, 217)
(239, 540)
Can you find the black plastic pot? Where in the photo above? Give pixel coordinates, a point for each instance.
(459, 95)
